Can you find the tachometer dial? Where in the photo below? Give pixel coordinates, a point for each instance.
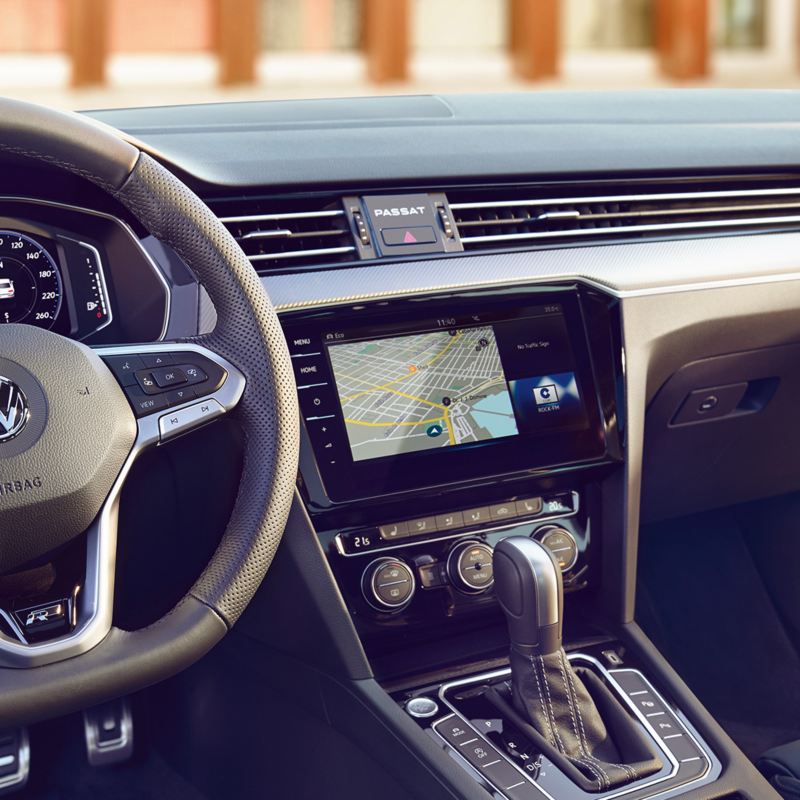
(30, 283)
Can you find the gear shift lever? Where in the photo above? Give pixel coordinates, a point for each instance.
(527, 582)
(570, 715)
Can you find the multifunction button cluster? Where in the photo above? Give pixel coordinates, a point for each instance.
(155, 381)
(456, 522)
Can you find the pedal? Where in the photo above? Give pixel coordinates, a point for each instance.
(15, 757)
(109, 733)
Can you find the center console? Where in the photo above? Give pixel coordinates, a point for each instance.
(439, 430)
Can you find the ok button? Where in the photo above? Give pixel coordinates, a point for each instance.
(169, 376)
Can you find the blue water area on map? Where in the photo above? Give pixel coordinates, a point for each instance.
(494, 413)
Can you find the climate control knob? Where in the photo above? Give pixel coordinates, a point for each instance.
(469, 567)
(561, 543)
(388, 584)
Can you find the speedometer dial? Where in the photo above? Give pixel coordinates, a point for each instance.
(30, 283)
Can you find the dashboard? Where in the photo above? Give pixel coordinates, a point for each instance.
(521, 375)
(464, 375)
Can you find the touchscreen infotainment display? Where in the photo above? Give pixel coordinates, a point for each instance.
(405, 393)
(458, 385)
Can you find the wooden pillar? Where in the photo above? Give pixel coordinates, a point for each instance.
(386, 39)
(237, 36)
(682, 38)
(87, 40)
(535, 38)
(317, 25)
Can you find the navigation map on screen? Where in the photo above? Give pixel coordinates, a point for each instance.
(423, 391)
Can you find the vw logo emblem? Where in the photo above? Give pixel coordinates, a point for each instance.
(14, 411)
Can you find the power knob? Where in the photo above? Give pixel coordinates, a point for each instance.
(388, 584)
(469, 567)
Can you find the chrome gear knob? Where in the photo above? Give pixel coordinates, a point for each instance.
(527, 583)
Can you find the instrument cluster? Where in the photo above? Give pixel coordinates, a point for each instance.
(78, 272)
(35, 289)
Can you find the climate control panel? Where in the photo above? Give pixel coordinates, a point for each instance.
(423, 575)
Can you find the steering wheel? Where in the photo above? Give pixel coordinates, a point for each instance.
(74, 419)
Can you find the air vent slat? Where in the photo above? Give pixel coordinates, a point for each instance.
(266, 234)
(270, 217)
(280, 238)
(497, 220)
(323, 251)
(622, 198)
(623, 229)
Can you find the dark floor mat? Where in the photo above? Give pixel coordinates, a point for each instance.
(60, 771)
(704, 603)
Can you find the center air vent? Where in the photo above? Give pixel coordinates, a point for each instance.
(297, 235)
(505, 221)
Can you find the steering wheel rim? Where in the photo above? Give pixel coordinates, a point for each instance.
(249, 337)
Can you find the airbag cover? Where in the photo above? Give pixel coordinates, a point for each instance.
(57, 471)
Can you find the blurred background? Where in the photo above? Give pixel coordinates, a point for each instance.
(103, 53)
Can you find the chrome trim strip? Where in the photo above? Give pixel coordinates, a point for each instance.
(288, 215)
(410, 541)
(630, 198)
(96, 599)
(711, 762)
(667, 226)
(127, 230)
(324, 251)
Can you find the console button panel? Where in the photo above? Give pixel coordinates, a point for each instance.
(691, 760)
(508, 765)
(454, 523)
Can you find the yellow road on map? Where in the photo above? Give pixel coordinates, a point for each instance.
(386, 388)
